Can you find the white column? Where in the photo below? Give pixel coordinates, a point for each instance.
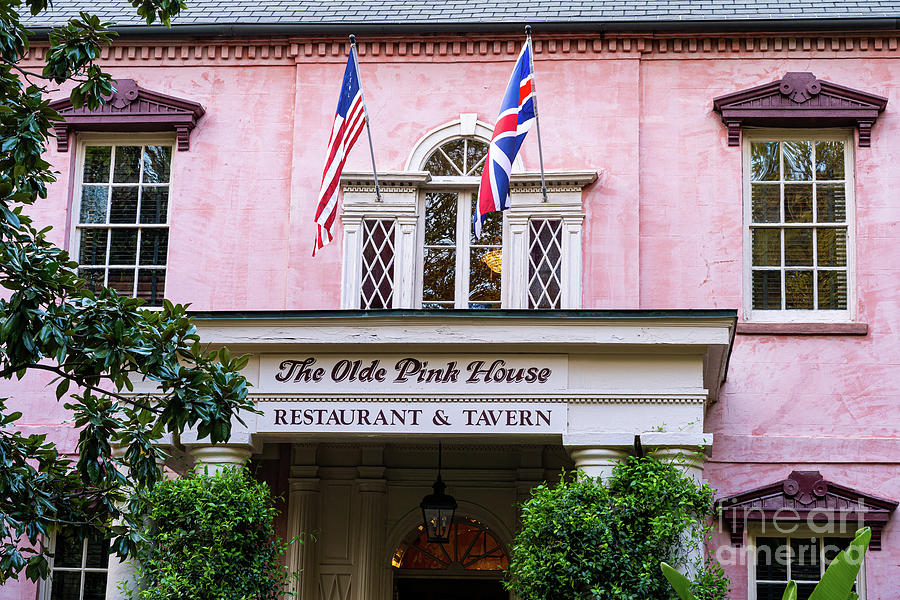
(220, 456)
(303, 521)
(117, 570)
(352, 261)
(405, 257)
(369, 561)
(598, 453)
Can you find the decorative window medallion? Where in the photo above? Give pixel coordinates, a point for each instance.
(799, 239)
(78, 569)
(800, 100)
(121, 215)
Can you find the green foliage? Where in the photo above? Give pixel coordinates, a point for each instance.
(211, 538)
(585, 539)
(94, 345)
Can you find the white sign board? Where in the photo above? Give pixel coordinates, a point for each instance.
(412, 417)
(413, 374)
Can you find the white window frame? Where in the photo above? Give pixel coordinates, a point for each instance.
(47, 583)
(124, 139)
(466, 195)
(800, 316)
(800, 531)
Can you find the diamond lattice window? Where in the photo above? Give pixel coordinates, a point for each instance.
(545, 263)
(377, 289)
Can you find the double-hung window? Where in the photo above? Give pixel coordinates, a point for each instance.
(801, 558)
(78, 569)
(121, 216)
(799, 226)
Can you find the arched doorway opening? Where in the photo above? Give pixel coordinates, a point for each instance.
(468, 567)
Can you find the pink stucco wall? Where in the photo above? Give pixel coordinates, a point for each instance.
(663, 226)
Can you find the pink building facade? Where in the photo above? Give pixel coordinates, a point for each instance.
(695, 277)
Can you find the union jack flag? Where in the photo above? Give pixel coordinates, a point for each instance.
(349, 120)
(515, 119)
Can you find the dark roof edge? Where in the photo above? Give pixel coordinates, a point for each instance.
(589, 314)
(661, 26)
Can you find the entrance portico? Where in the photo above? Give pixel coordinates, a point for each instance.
(353, 405)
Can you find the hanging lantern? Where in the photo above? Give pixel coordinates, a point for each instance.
(438, 510)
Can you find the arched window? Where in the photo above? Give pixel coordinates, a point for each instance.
(472, 547)
(458, 270)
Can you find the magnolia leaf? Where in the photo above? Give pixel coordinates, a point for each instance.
(680, 583)
(839, 577)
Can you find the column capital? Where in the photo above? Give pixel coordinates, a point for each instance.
(220, 456)
(597, 453)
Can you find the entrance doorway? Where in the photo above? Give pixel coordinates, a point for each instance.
(468, 567)
(449, 589)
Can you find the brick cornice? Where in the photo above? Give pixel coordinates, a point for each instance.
(489, 47)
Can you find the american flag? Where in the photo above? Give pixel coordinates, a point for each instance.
(515, 119)
(349, 120)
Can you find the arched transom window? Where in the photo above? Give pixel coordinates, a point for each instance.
(458, 270)
(472, 547)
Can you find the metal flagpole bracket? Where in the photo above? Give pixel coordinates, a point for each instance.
(537, 119)
(366, 112)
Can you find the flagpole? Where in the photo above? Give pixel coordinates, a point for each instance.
(537, 119)
(366, 113)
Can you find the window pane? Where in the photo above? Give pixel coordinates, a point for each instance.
(829, 160)
(154, 204)
(439, 275)
(798, 290)
(767, 290)
(151, 286)
(766, 203)
(832, 247)
(97, 554)
(157, 160)
(833, 546)
(123, 206)
(122, 280)
(798, 203)
(805, 559)
(68, 552)
(476, 150)
(770, 591)
(123, 246)
(771, 559)
(832, 290)
(93, 204)
(831, 203)
(92, 250)
(440, 219)
(438, 165)
(96, 164)
(484, 282)
(65, 585)
(94, 586)
(766, 247)
(545, 263)
(93, 278)
(154, 245)
(128, 164)
(797, 161)
(798, 247)
(805, 590)
(456, 153)
(491, 229)
(764, 161)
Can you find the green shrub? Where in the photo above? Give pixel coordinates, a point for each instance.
(583, 539)
(211, 538)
